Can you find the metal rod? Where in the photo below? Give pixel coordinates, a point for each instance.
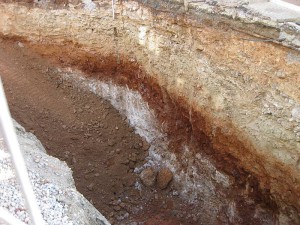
(11, 141)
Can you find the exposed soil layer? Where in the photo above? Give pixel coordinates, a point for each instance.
(97, 143)
(91, 136)
(182, 122)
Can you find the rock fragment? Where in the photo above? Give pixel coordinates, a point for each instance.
(20, 44)
(91, 186)
(296, 113)
(164, 177)
(148, 177)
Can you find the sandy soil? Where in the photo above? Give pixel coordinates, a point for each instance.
(91, 136)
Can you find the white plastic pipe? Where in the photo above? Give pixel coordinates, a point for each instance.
(8, 218)
(10, 138)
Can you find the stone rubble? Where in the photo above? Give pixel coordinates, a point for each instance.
(162, 178)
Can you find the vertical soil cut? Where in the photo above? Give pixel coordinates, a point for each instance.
(83, 129)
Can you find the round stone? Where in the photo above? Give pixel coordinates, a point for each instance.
(164, 177)
(148, 177)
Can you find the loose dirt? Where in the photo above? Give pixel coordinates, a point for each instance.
(91, 136)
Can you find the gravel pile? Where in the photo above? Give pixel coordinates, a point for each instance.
(54, 212)
(53, 186)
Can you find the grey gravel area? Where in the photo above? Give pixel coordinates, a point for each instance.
(57, 197)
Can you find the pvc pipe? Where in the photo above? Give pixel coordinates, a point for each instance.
(7, 217)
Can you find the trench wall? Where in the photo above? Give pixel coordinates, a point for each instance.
(244, 89)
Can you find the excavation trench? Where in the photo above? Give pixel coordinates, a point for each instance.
(211, 87)
(63, 94)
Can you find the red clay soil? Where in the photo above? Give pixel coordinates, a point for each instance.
(97, 143)
(182, 123)
(91, 136)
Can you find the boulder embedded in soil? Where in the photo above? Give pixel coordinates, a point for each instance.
(164, 177)
(148, 177)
